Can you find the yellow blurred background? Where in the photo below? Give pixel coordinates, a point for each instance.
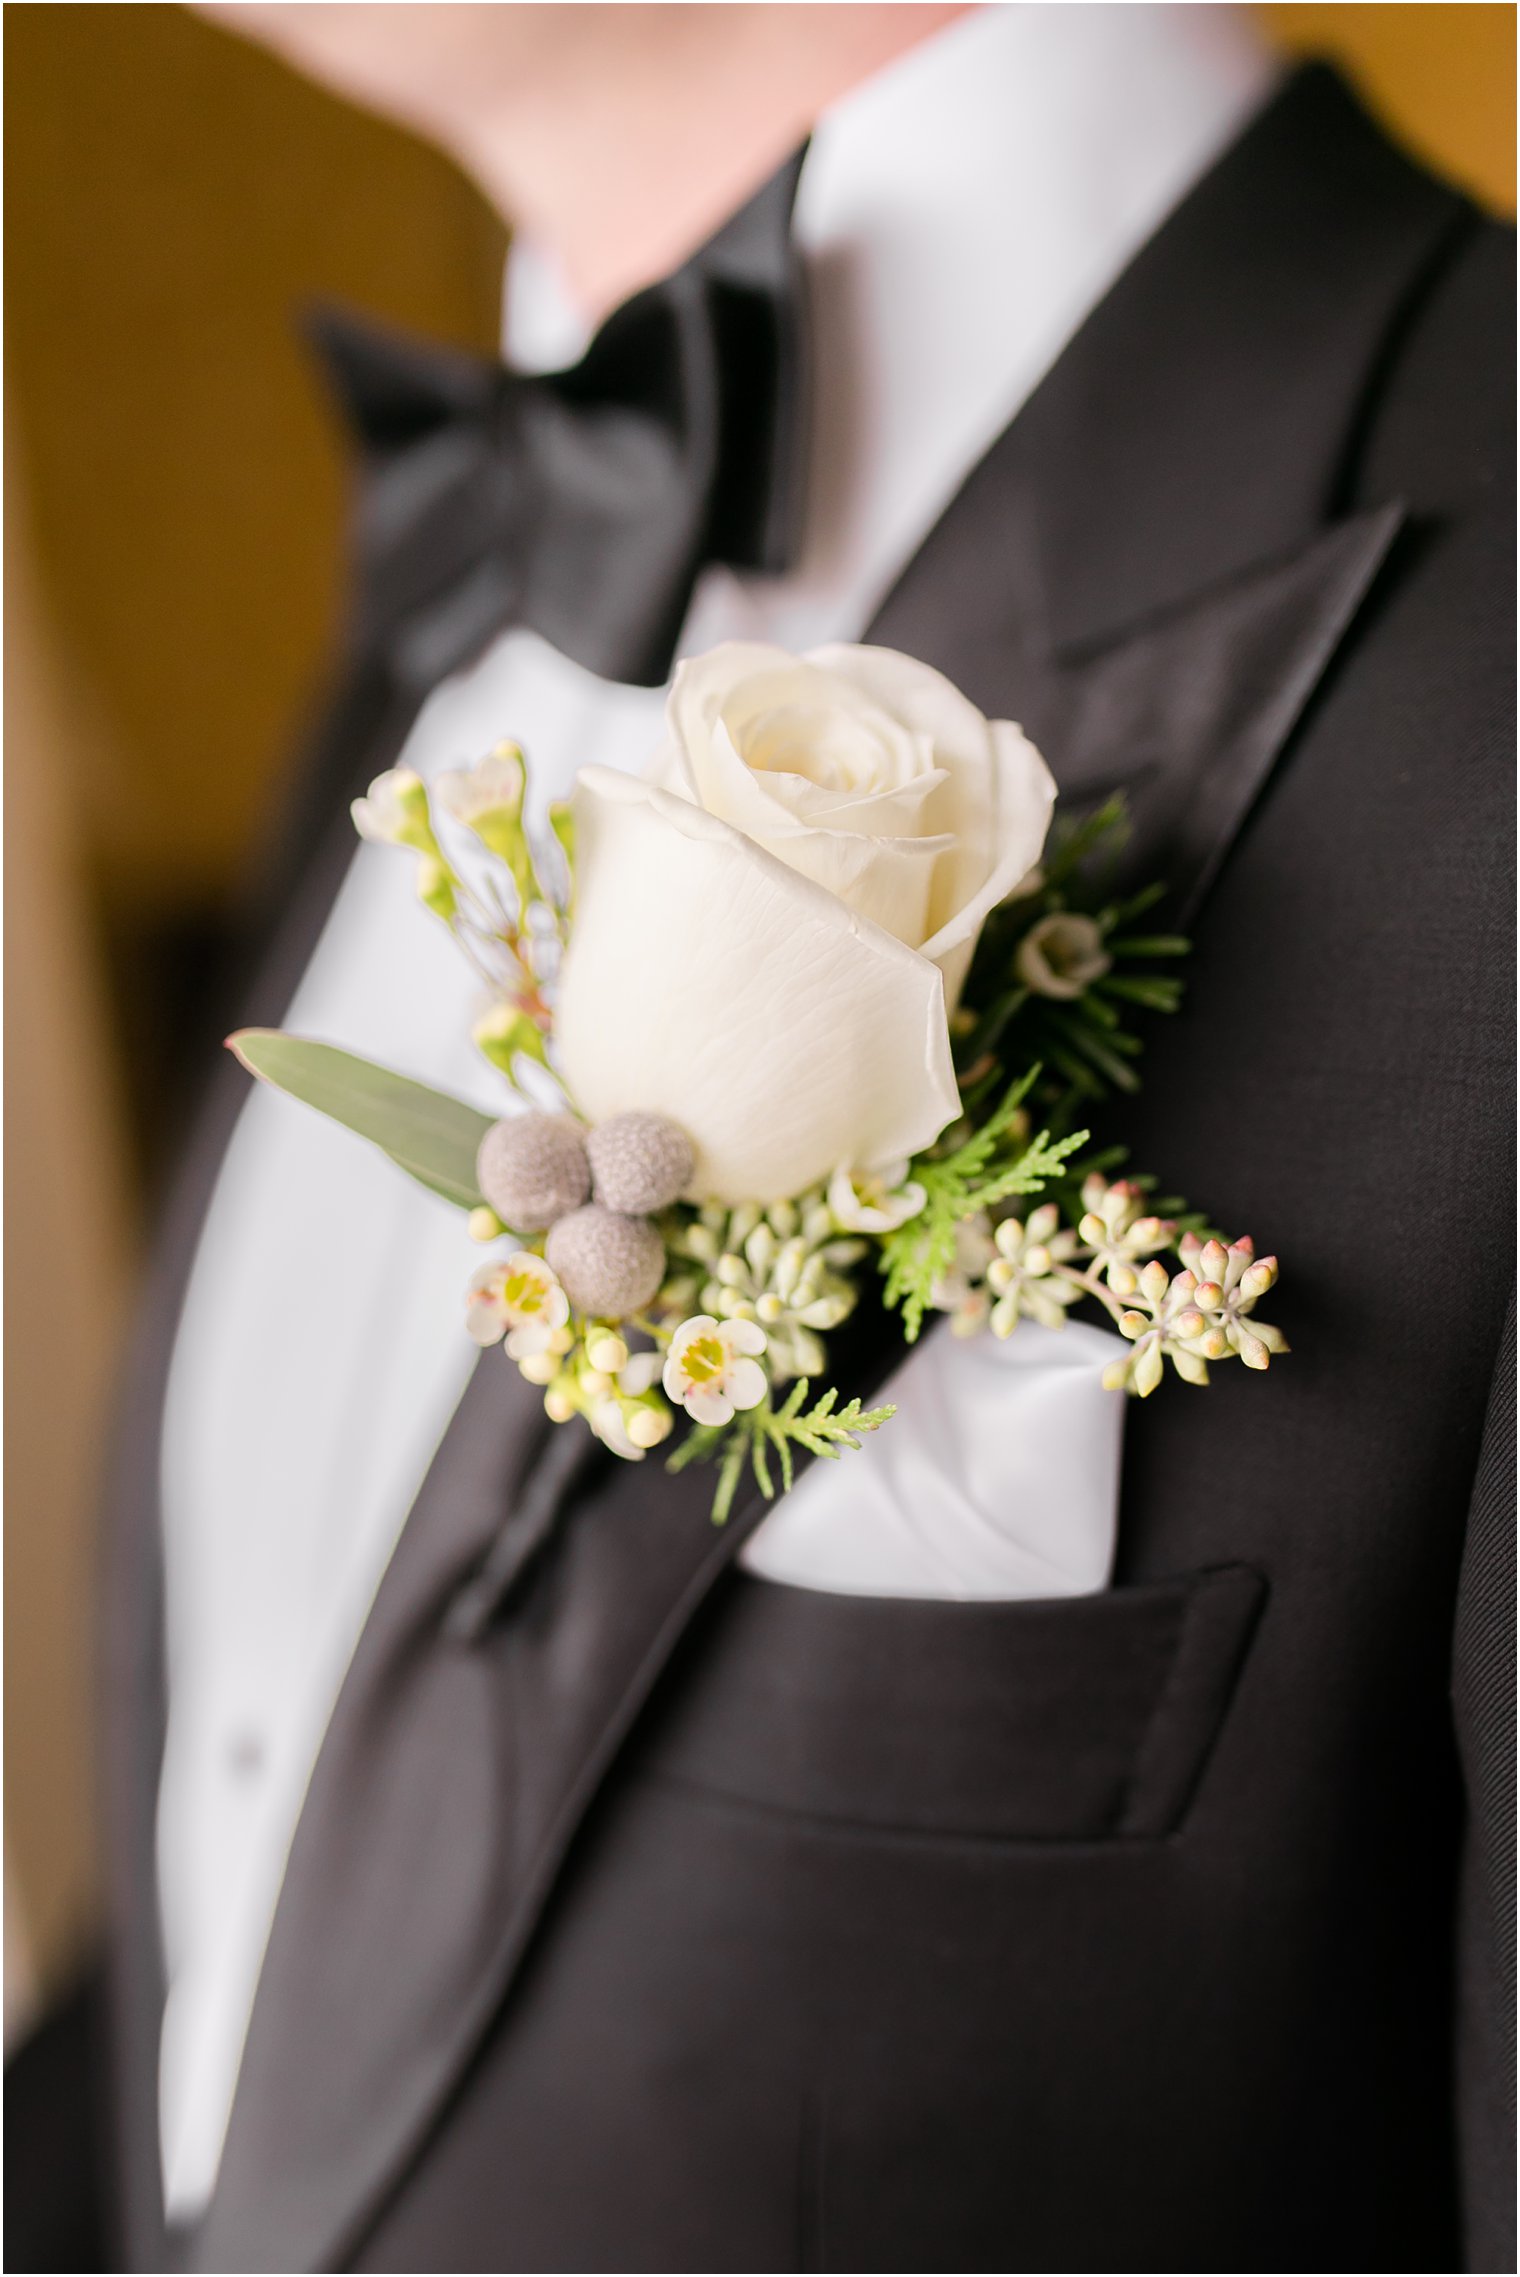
(175, 496)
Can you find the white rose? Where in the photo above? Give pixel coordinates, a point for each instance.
(772, 929)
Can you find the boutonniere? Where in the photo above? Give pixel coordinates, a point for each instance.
(823, 999)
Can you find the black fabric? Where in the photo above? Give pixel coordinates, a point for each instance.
(1484, 1695)
(688, 1922)
(60, 2209)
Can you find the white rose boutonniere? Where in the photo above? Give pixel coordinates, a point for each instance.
(773, 927)
(810, 1009)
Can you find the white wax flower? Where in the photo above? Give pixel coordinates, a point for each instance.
(772, 929)
(395, 812)
(1062, 955)
(517, 1297)
(711, 1368)
(631, 1431)
(494, 785)
(878, 1201)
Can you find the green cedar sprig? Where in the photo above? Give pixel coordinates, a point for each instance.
(997, 1160)
(757, 1432)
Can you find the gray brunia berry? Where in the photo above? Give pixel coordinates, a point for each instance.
(639, 1163)
(533, 1169)
(609, 1265)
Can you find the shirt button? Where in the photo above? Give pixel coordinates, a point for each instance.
(245, 1754)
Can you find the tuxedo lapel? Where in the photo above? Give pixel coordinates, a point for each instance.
(1149, 569)
(1187, 716)
(451, 1783)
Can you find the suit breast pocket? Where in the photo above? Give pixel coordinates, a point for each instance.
(1074, 1719)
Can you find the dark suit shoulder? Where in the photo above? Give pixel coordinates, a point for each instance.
(1441, 427)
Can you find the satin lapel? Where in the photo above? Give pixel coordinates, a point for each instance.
(363, 727)
(1188, 716)
(1149, 569)
(411, 1896)
(450, 1785)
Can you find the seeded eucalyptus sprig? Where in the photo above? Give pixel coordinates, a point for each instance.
(1037, 1268)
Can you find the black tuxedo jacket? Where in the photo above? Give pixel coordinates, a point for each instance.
(691, 1922)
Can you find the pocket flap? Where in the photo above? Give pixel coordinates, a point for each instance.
(1059, 1719)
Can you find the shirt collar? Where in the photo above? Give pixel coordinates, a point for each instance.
(960, 213)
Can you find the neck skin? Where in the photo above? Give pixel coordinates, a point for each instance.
(618, 137)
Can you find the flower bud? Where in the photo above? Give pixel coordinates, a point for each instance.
(485, 1225)
(435, 886)
(1155, 1281)
(1214, 1261)
(595, 1383)
(769, 1308)
(606, 1352)
(1148, 1370)
(647, 1426)
(1133, 1324)
(1123, 1280)
(788, 1267)
(760, 1248)
(699, 1242)
(1009, 1236)
(539, 1367)
(559, 1406)
(505, 1031)
(731, 1271)
(1258, 1279)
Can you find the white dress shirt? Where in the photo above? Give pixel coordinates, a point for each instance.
(959, 215)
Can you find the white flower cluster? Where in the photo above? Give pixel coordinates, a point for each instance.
(784, 1269)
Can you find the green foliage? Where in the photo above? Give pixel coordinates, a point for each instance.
(1085, 1044)
(998, 1160)
(757, 1433)
(432, 1137)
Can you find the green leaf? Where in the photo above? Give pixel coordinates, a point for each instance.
(432, 1137)
(1152, 945)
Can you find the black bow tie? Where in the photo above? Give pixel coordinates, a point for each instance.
(582, 503)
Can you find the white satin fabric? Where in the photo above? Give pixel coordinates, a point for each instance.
(959, 214)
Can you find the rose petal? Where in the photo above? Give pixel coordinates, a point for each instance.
(709, 982)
